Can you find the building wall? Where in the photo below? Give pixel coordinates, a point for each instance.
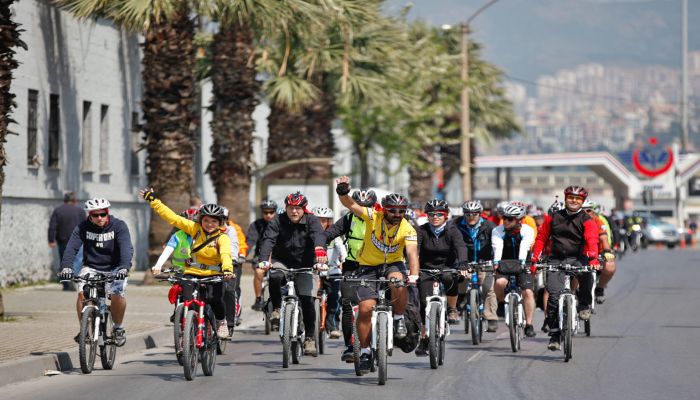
(87, 61)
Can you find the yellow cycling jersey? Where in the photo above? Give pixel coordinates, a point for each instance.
(381, 243)
(217, 252)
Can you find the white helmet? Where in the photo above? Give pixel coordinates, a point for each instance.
(473, 206)
(96, 203)
(513, 211)
(323, 212)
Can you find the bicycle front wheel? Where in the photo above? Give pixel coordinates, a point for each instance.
(356, 349)
(475, 316)
(567, 331)
(178, 326)
(513, 323)
(87, 349)
(382, 343)
(287, 336)
(209, 348)
(108, 351)
(190, 352)
(433, 339)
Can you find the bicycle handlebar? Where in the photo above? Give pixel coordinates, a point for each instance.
(563, 267)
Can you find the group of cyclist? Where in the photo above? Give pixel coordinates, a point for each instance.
(375, 238)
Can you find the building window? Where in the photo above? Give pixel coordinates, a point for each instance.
(135, 143)
(54, 130)
(543, 180)
(526, 180)
(87, 137)
(32, 117)
(104, 139)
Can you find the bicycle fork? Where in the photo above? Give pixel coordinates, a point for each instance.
(518, 302)
(571, 313)
(390, 329)
(436, 300)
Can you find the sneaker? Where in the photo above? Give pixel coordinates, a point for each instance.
(554, 340)
(599, 295)
(310, 347)
(400, 330)
(493, 326)
(222, 330)
(336, 334)
(530, 331)
(258, 305)
(348, 355)
(119, 336)
(452, 316)
(365, 363)
(422, 349)
(275, 316)
(585, 314)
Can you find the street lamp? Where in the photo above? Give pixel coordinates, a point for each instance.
(465, 134)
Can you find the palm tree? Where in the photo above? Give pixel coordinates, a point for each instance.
(169, 101)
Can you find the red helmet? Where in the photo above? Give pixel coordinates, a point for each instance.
(191, 213)
(576, 191)
(296, 199)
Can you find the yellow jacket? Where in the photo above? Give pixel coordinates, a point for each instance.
(242, 243)
(218, 252)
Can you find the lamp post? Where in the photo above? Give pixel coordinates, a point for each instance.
(465, 133)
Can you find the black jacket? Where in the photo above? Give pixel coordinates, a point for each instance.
(255, 234)
(443, 251)
(479, 248)
(104, 249)
(63, 220)
(292, 244)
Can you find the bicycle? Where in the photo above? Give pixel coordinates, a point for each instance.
(568, 319)
(96, 325)
(436, 316)
(514, 311)
(474, 308)
(382, 339)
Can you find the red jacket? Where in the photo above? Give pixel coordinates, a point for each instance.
(571, 235)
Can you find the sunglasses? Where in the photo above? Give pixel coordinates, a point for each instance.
(437, 214)
(396, 210)
(510, 219)
(100, 215)
(472, 214)
(268, 212)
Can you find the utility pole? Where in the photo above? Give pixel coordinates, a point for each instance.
(684, 77)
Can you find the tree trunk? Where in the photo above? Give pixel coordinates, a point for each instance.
(421, 188)
(363, 155)
(9, 39)
(235, 90)
(171, 117)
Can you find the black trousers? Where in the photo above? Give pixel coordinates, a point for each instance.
(555, 284)
(213, 295)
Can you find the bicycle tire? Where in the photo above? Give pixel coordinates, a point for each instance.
(475, 317)
(318, 328)
(441, 359)
(87, 348)
(382, 343)
(108, 351)
(356, 350)
(465, 319)
(209, 349)
(266, 317)
(190, 353)
(567, 328)
(287, 336)
(178, 327)
(513, 323)
(433, 339)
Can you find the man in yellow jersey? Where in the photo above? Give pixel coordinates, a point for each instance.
(387, 235)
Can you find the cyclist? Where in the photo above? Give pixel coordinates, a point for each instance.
(352, 228)
(604, 247)
(336, 254)
(574, 237)
(254, 237)
(210, 254)
(440, 246)
(387, 235)
(553, 208)
(107, 247)
(294, 240)
(476, 232)
(512, 241)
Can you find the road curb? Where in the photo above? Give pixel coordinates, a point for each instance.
(34, 366)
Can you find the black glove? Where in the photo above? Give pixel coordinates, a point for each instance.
(150, 195)
(121, 274)
(342, 189)
(65, 274)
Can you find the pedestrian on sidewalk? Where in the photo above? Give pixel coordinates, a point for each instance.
(63, 220)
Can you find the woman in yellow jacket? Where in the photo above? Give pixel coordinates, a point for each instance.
(211, 259)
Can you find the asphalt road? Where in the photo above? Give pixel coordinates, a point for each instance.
(645, 345)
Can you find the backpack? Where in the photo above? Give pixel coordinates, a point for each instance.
(412, 320)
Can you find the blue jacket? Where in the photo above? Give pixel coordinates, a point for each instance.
(104, 249)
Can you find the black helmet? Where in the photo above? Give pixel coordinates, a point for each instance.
(394, 200)
(212, 210)
(268, 205)
(437, 205)
(365, 198)
(296, 199)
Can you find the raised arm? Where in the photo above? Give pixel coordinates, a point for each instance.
(342, 187)
(166, 214)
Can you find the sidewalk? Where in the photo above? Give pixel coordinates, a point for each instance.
(40, 322)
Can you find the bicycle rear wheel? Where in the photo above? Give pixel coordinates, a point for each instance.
(567, 331)
(433, 339)
(190, 353)
(108, 351)
(513, 323)
(209, 348)
(87, 349)
(178, 326)
(475, 316)
(382, 343)
(287, 335)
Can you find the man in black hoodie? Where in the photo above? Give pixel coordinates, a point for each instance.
(64, 219)
(106, 248)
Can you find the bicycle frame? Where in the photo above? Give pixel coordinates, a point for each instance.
(513, 290)
(96, 299)
(200, 316)
(382, 308)
(290, 300)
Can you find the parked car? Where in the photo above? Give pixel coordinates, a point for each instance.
(658, 231)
